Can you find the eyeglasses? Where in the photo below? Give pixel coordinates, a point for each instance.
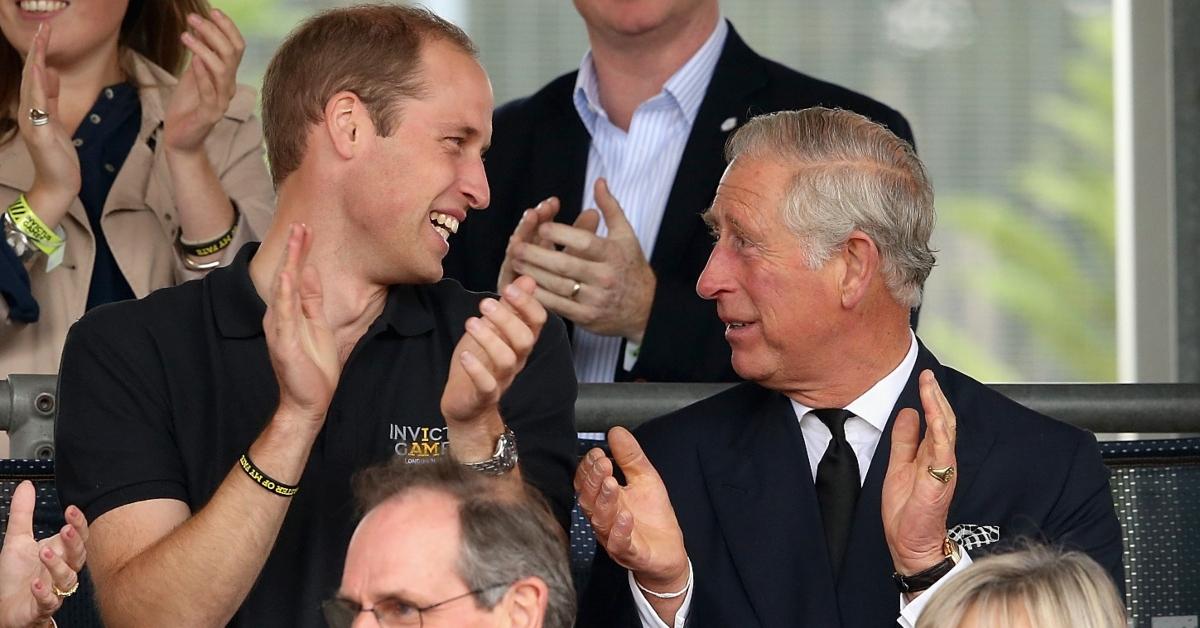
(389, 613)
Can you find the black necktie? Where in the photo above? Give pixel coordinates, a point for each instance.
(837, 485)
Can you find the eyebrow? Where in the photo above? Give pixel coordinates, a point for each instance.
(389, 599)
(469, 132)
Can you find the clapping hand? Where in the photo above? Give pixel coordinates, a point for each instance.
(207, 85)
(36, 576)
(491, 353)
(56, 179)
(915, 502)
(301, 344)
(603, 284)
(634, 523)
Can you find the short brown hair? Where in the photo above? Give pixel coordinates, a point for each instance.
(371, 50)
(508, 532)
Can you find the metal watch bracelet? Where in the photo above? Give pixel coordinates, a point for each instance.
(25, 250)
(502, 461)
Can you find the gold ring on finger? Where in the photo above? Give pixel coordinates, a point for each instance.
(69, 592)
(943, 475)
(575, 289)
(38, 117)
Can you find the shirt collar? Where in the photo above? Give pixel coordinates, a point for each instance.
(686, 87)
(239, 310)
(875, 406)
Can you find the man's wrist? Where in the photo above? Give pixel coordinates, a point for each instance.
(475, 440)
(917, 564)
(292, 424)
(911, 562)
(673, 581)
(912, 583)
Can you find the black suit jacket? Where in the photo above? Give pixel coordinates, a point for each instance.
(540, 149)
(739, 479)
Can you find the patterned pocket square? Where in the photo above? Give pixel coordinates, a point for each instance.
(970, 536)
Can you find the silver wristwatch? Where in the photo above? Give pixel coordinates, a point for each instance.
(502, 461)
(19, 242)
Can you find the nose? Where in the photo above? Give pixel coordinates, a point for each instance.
(716, 277)
(365, 619)
(474, 185)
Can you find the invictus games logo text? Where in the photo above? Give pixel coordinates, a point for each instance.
(419, 441)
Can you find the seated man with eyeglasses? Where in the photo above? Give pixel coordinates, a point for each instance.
(440, 545)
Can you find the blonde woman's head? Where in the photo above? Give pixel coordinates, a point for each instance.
(1035, 587)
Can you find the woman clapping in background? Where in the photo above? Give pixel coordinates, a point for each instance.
(122, 170)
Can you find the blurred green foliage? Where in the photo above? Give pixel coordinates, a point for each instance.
(1047, 259)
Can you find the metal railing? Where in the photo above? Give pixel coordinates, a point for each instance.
(1100, 408)
(28, 406)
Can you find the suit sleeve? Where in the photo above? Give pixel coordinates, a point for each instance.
(607, 601)
(539, 408)
(1084, 517)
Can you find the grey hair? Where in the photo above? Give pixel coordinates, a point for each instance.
(508, 533)
(1042, 586)
(851, 173)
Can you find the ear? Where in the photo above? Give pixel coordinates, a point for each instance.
(525, 603)
(347, 123)
(860, 259)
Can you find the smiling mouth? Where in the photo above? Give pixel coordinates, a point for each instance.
(444, 224)
(42, 6)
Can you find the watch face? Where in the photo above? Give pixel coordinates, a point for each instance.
(503, 460)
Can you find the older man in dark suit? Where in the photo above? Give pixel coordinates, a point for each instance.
(663, 86)
(768, 508)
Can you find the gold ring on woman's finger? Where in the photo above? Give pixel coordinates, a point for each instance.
(69, 592)
(38, 117)
(575, 289)
(942, 475)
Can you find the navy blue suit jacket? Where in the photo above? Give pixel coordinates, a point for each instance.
(540, 149)
(739, 479)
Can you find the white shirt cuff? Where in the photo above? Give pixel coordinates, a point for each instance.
(646, 614)
(911, 611)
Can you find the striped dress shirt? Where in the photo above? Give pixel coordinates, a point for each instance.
(640, 167)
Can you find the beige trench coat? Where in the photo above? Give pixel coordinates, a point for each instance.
(139, 219)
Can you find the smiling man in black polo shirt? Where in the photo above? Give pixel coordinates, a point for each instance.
(209, 431)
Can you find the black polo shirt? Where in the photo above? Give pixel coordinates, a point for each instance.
(159, 397)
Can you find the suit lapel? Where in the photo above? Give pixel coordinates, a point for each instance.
(762, 493)
(868, 560)
(867, 571)
(738, 74)
(560, 152)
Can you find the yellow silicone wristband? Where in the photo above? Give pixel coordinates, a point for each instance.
(28, 223)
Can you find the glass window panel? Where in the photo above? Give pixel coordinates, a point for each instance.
(1011, 104)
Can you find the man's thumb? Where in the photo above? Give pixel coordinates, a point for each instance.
(628, 455)
(614, 216)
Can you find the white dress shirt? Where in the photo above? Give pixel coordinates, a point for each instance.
(640, 167)
(863, 431)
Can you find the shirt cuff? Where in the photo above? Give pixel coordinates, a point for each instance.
(911, 611)
(646, 614)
